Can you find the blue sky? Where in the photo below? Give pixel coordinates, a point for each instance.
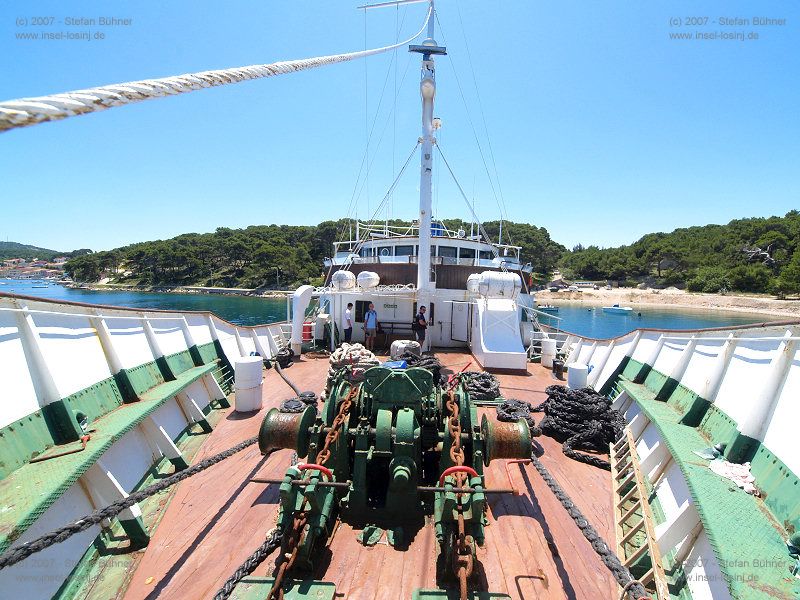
(602, 128)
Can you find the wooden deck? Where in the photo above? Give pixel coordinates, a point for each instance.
(533, 548)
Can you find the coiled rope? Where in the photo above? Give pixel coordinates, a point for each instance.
(512, 410)
(481, 385)
(30, 111)
(431, 363)
(23, 551)
(582, 420)
(272, 543)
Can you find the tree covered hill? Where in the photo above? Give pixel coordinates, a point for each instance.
(249, 257)
(16, 250)
(707, 258)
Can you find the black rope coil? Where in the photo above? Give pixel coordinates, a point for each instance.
(634, 589)
(481, 385)
(23, 551)
(581, 419)
(272, 543)
(431, 363)
(512, 410)
(298, 404)
(284, 357)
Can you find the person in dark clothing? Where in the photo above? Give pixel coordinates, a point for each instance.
(420, 325)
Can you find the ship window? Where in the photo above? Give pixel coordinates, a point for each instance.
(448, 251)
(486, 254)
(384, 251)
(365, 252)
(466, 253)
(404, 250)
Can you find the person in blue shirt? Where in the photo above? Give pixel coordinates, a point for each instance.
(370, 326)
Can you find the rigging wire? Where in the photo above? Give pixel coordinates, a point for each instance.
(471, 122)
(24, 112)
(384, 201)
(504, 210)
(466, 201)
(352, 204)
(366, 105)
(357, 192)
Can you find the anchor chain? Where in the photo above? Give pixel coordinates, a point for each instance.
(296, 535)
(462, 555)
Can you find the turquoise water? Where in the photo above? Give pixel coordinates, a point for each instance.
(591, 322)
(242, 310)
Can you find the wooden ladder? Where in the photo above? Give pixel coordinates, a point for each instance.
(633, 519)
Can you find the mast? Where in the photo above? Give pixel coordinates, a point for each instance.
(427, 86)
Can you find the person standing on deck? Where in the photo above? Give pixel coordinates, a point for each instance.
(420, 326)
(347, 323)
(370, 325)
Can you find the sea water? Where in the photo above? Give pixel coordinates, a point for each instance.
(248, 310)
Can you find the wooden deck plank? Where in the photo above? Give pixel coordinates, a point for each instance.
(217, 519)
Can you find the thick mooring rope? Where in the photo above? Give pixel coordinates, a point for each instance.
(30, 111)
(481, 385)
(582, 420)
(23, 551)
(272, 543)
(633, 588)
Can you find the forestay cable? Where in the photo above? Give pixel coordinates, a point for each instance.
(30, 111)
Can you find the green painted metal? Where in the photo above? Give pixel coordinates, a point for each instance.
(207, 352)
(197, 359)
(136, 532)
(631, 368)
(180, 362)
(717, 427)
(655, 380)
(395, 438)
(32, 488)
(729, 516)
(96, 400)
(125, 386)
(106, 562)
(144, 377)
(62, 422)
(165, 369)
(22, 440)
(257, 588)
(780, 487)
(612, 380)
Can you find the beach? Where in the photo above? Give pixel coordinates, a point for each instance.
(768, 305)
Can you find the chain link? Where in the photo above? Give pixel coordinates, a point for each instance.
(293, 541)
(462, 551)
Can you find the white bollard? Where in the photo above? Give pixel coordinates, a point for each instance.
(548, 353)
(577, 376)
(248, 380)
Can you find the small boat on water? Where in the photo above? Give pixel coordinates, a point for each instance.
(618, 310)
(548, 308)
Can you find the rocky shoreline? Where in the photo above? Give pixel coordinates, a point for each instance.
(182, 289)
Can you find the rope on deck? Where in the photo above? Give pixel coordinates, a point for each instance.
(632, 587)
(272, 543)
(23, 551)
(30, 111)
